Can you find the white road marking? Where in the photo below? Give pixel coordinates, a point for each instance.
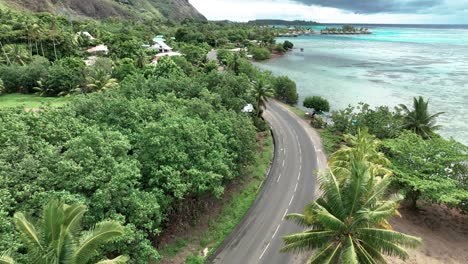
(285, 213)
(283, 163)
(279, 178)
(290, 202)
(276, 231)
(300, 168)
(299, 176)
(295, 189)
(264, 251)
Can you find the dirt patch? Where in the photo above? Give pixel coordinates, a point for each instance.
(444, 232)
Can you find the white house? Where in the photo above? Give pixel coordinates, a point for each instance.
(164, 54)
(161, 46)
(98, 49)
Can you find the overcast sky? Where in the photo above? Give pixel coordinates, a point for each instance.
(340, 11)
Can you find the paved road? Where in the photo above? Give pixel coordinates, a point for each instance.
(291, 184)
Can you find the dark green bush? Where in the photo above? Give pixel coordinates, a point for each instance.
(318, 103)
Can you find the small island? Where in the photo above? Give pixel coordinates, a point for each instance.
(345, 30)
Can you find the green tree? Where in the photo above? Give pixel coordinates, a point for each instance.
(418, 119)
(288, 45)
(434, 169)
(261, 53)
(318, 103)
(381, 121)
(56, 239)
(100, 81)
(348, 223)
(285, 90)
(261, 90)
(17, 54)
(362, 147)
(165, 68)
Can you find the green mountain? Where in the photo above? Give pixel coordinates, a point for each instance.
(173, 10)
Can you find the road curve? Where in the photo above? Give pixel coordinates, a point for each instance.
(290, 185)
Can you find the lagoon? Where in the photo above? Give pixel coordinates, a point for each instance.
(389, 67)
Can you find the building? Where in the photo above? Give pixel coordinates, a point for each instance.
(164, 54)
(99, 49)
(161, 46)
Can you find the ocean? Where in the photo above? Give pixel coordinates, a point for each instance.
(389, 67)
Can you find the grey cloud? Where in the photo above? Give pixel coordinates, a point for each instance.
(377, 6)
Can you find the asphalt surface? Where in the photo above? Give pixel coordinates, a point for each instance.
(290, 185)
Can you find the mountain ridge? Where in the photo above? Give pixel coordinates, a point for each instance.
(172, 10)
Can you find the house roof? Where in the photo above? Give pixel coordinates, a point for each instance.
(98, 48)
(160, 45)
(165, 54)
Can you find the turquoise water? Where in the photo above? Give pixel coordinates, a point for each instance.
(387, 68)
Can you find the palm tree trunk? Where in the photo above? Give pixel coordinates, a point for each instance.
(4, 53)
(37, 48)
(55, 50)
(42, 49)
(30, 46)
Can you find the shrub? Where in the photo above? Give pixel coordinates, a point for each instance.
(287, 45)
(285, 90)
(317, 122)
(280, 48)
(318, 103)
(261, 54)
(224, 56)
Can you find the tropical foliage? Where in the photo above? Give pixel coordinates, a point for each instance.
(433, 169)
(348, 223)
(261, 90)
(425, 165)
(361, 147)
(56, 239)
(318, 103)
(418, 119)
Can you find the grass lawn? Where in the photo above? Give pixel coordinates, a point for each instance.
(31, 101)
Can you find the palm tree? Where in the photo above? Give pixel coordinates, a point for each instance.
(5, 259)
(261, 91)
(361, 147)
(100, 81)
(56, 238)
(348, 223)
(18, 54)
(2, 87)
(418, 119)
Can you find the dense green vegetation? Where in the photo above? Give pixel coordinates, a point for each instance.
(155, 11)
(348, 223)
(318, 103)
(56, 239)
(425, 165)
(139, 144)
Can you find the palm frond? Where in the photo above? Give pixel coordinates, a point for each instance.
(27, 230)
(4, 259)
(102, 233)
(390, 236)
(349, 255)
(117, 260)
(307, 241)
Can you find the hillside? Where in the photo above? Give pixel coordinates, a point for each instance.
(173, 10)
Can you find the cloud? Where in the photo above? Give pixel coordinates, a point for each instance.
(377, 6)
(450, 11)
